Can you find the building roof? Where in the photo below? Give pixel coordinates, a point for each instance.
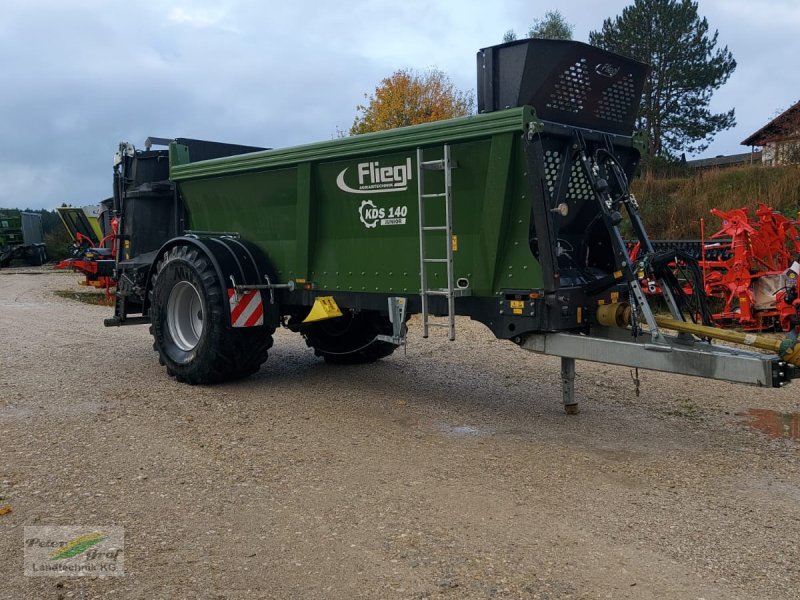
(725, 161)
(786, 123)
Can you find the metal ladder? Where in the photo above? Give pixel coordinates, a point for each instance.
(451, 292)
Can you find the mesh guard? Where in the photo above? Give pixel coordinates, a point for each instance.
(567, 82)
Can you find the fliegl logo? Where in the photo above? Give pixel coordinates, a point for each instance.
(374, 178)
(607, 70)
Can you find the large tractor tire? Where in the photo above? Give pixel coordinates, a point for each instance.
(350, 339)
(188, 323)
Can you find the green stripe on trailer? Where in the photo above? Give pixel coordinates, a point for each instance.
(427, 134)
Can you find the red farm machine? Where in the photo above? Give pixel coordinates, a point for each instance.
(756, 278)
(94, 231)
(749, 268)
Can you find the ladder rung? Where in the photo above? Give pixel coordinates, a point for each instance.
(450, 292)
(456, 292)
(432, 164)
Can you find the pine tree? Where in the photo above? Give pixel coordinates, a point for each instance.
(687, 67)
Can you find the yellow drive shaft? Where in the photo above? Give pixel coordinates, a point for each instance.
(619, 315)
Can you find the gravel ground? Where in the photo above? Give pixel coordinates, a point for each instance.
(448, 472)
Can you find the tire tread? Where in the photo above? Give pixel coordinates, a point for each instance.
(230, 353)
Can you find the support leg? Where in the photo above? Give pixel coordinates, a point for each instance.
(568, 385)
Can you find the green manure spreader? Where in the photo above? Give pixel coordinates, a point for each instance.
(510, 217)
(21, 237)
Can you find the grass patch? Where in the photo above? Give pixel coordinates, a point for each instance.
(671, 208)
(95, 298)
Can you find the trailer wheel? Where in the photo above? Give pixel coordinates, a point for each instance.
(36, 256)
(350, 339)
(187, 313)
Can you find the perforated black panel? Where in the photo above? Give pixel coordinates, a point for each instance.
(618, 101)
(552, 161)
(567, 82)
(572, 90)
(578, 188)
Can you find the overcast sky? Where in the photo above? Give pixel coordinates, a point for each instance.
(79, 76)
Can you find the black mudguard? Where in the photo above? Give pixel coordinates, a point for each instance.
(236, 261)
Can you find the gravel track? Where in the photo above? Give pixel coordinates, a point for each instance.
(449, 472)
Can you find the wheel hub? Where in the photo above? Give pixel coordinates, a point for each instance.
(185, 315)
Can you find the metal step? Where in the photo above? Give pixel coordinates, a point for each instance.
(457, 292)
(433, 165)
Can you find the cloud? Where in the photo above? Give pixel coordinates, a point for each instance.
(196, 18)
(19, 178)
(202, 17)
(79, 77)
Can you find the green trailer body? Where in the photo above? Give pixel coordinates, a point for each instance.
(510, 217)
(323, 213)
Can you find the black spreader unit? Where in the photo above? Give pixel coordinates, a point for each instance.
(566, 82)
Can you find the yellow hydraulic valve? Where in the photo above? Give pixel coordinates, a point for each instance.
(619, 315)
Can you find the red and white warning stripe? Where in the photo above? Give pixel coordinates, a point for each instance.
(247, 309)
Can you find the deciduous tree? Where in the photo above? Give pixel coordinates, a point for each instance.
(687, 67)
(410, 97)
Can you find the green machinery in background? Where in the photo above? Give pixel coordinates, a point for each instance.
(510, 217)
(21, 237)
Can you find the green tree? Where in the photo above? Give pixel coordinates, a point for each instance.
(552, 27)
(687, 67)
(408, 98)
